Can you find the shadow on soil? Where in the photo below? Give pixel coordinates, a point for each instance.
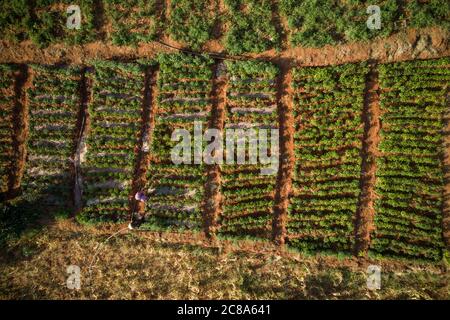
(22, 218)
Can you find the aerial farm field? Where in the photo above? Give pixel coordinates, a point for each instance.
(258, 139)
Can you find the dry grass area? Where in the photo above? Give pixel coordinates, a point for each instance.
(144, 265)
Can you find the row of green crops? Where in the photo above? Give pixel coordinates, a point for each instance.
(134, 21)
(7, 98)
(115, 125)
(409, 171)
(192, 21)
(54, 102)
(328, 104)
(176, 190)
(247, 193)
(14, 20)
(44, 21)
(48, 22)
(329, 128)
(317, 23)
(249, 25)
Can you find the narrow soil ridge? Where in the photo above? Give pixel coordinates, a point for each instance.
(100, 19)
(286, 158)
(212, 203)
(371, 118)
(280, 26)
(161, 14)
(137, 208)
(80, 143)
(446, 162)
(20, 127)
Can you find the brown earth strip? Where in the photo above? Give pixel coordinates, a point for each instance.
(20, 120)
(286, 158)
(81, 132)
(143, 157)
(371, 118)
(212, 204)
(446, 161)
(161, 10)
(99, 19)
(165, 36)
(280, 24)
(412, 44)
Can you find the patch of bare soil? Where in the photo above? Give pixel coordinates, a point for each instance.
(371, 118)
(212, 204)
(286, 158)
(20, 119)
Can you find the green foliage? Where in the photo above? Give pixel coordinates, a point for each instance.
(409, 172)
(14, 16)
(53, 111)
(7, 100)
(252, 69)
(49, 24)
(315, 23)
(247, 194)
(134, 21)
(116, 122)
(328, 103)
(176, 191)
(251, 27)
(192, 21)
(429, 13)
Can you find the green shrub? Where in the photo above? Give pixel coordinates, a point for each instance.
(192, 21)
(252, 28)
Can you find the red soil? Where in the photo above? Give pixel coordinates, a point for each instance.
(212, 206)
(398, 47)
(287, 159)
(371, 118)
(20, 118)
(143, 158)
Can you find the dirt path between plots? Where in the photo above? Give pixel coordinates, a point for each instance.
(212, 203)
(286, 158)
(80, 142)
(100, 19)
(143, 153)
(411, 44)
(20, 119)
(365, 213)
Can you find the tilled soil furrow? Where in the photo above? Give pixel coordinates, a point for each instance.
(371, 117)
(212, 204)
(286, 157)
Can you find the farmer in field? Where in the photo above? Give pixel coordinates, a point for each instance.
(136, 218)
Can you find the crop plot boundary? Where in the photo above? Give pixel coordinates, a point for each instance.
(371, 116)
(363, 223)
